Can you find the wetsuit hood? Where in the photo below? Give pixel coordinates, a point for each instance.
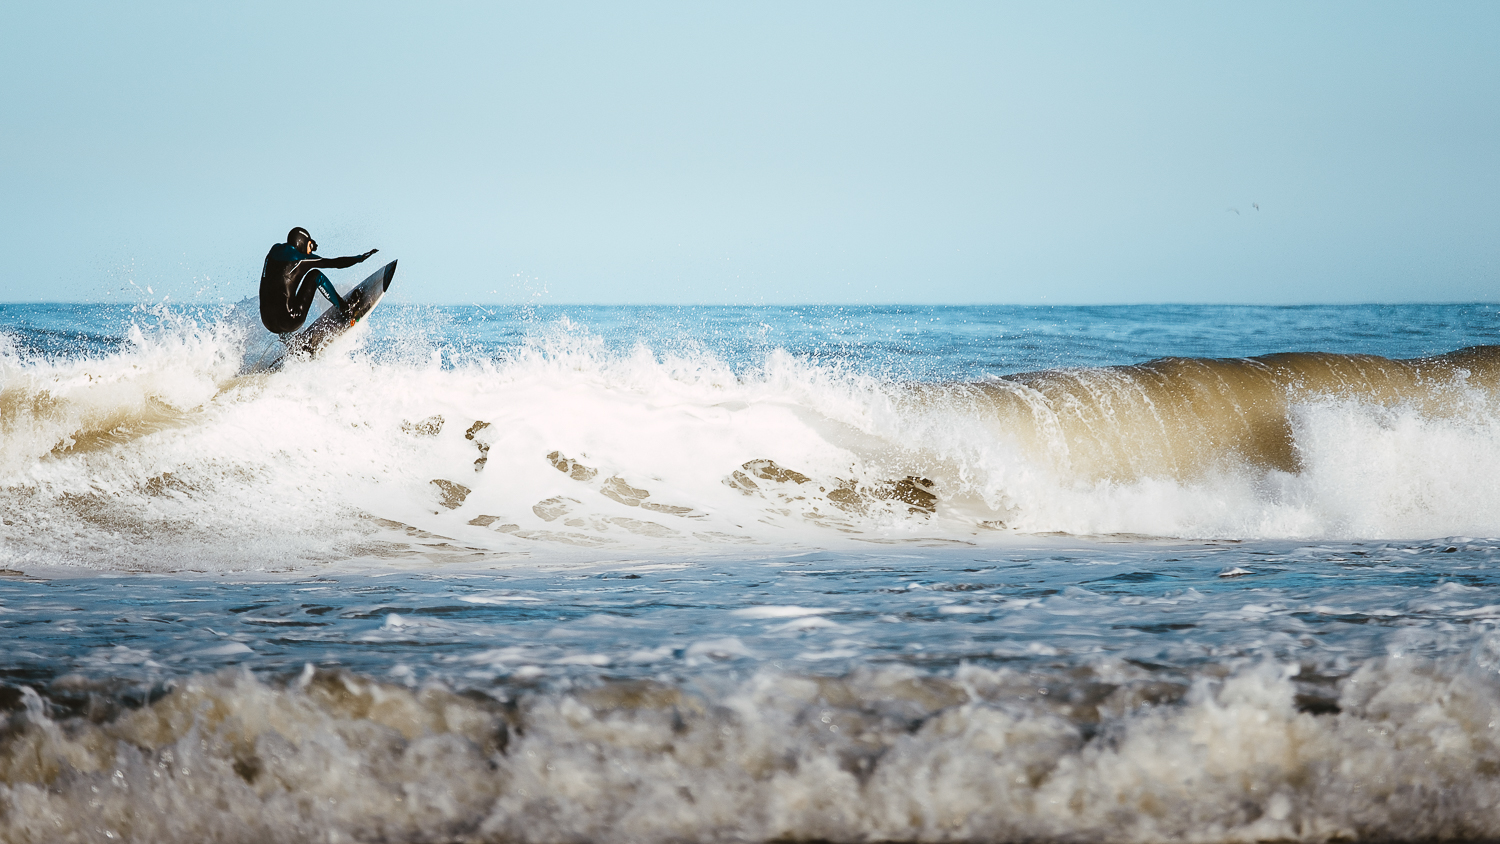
(298, 238)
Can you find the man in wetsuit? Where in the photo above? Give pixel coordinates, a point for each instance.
(291, 278)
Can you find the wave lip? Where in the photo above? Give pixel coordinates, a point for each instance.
(1285, 445)
(1179, 417)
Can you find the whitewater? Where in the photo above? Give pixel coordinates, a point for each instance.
(1145, 573)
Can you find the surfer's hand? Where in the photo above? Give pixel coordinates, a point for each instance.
(367, 254)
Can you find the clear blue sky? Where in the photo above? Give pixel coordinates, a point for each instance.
(851, 152)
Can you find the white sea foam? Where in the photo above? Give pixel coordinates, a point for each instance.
(1406, 751)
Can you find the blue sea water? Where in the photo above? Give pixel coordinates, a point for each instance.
(750, 574)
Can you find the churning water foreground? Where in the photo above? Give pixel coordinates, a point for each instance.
(753, 574)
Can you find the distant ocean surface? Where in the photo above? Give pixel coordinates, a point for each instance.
(712, 574)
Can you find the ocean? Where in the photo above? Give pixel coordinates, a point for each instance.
(745, 574)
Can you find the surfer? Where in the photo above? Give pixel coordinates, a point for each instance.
(291, 277)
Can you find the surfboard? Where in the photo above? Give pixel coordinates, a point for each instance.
(359, 300)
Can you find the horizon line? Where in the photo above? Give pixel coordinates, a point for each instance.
(1165, 304)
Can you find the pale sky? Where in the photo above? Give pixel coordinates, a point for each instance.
(746, 153)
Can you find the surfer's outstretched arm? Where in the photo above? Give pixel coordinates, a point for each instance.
(337, 263)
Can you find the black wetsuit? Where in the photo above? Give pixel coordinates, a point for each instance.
(288, 283)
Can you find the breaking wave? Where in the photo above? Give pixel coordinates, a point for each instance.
(158, 455)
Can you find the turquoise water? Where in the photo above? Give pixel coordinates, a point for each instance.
(608, 574)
